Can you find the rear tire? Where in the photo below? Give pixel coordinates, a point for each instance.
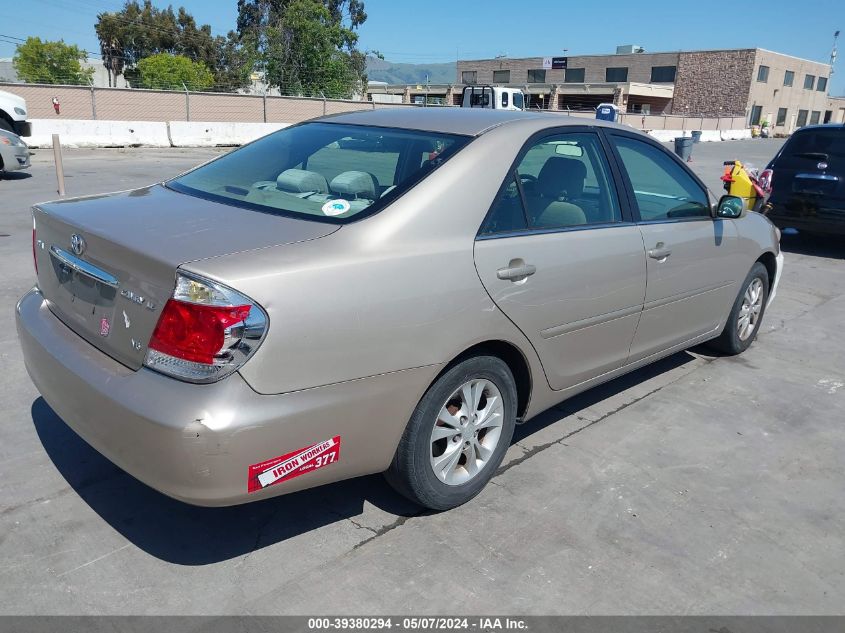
(457, 435)
(746, 313)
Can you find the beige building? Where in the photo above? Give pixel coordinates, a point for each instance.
(784, 91)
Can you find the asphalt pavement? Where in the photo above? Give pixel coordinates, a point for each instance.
(698, 485)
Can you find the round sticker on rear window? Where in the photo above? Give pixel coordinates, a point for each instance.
(336, 207)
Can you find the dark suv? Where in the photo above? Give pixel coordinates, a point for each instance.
(807, 179)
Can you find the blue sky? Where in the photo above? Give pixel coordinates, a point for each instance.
(438, 30)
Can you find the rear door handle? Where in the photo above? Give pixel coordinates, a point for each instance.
(660, 252)
(516, 273)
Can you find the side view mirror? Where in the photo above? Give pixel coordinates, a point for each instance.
(731, 207)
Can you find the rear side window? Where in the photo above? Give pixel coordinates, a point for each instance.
(663, 189)
(562, 181)
(322, 171)
(809, 147)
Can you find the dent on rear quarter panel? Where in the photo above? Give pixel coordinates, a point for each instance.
(393, 291)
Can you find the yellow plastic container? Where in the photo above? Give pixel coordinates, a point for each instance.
(739, 183)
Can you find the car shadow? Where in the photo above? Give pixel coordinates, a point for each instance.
(14, 175)
(830, 246)
(189, 535)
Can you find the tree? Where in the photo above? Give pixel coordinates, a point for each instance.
(173, 72)
(305, 46)
(51, 62)
(138, 31)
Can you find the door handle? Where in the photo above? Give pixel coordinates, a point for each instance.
(516, 273)
(660, 252)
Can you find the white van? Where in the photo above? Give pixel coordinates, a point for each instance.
(13, 114)
(493, 97)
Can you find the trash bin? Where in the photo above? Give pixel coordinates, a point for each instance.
(683, 147)
(696, 136)
(607, 112)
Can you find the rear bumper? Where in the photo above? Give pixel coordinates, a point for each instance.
(773, 290)
(196, 442)
(815, 218)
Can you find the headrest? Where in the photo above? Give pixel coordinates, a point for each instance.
(355, 184)
(562, 177)
(301, 181)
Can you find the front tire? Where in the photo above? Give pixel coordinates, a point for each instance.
(457, 435)
(746, 313)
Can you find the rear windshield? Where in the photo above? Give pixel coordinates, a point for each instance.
(324, 171)
(817, 144)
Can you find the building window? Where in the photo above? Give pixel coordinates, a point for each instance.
(537, 76)
(781, 120)
(574, 76)
(802, 118)
(663, 74)
(809, 80)
(616, 75)
(815, 115)
(469, 76)
(756, 114)
(821, 84)
(763, 74)
(788, 78)
(501, 76)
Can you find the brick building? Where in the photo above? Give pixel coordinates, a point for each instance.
(760, 85)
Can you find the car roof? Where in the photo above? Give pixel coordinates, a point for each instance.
(820, 126)
(454, 120)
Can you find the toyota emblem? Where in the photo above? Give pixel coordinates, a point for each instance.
(77, 244)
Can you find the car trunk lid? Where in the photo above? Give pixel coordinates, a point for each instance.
(107, 264)
(809, 174)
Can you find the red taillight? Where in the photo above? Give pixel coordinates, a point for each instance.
(195, 332)
(765, 180)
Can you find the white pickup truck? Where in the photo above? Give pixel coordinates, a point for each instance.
(493, 97)
(13, 114)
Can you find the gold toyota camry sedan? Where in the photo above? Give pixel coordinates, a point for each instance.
(389, 291)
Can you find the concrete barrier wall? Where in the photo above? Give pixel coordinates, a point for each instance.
(195, 134)
(707, 136)
(84, 133)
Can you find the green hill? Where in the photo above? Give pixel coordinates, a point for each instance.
(392, 73)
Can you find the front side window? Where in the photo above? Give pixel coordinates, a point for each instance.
(663, 189)
(321, 171)
(763, 74)
(518, 100)
(616, 75)
(562, 181)
(501, 76)
(809, 82)
(469, 77)
(788, 78)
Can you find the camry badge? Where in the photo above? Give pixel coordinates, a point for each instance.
(77, 244)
